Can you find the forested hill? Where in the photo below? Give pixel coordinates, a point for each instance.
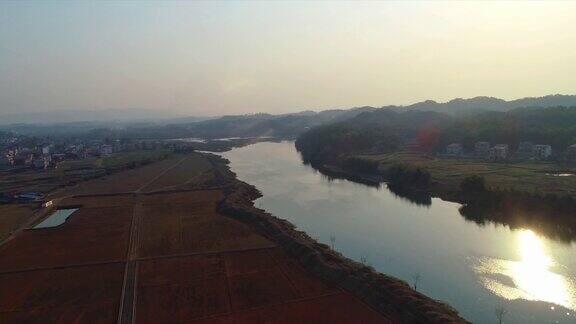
(256, 125)
(387, 130)
(478, 104)
(280, 126)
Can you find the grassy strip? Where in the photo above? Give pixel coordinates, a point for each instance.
(529, 177)
(143, 156)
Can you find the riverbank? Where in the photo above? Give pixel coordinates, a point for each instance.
(510, 196)
(386, 294)
(542, 178)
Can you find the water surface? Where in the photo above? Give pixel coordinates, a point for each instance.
(475, 268)
(57, 218)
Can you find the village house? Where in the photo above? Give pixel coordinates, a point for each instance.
(571, 153)
(542, 152)
(455, 149)
(499, 153)
(106, 149)
(481, 149)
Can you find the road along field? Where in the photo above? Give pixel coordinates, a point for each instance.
(145, 248)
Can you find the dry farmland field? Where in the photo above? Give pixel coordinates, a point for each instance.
(142, 247)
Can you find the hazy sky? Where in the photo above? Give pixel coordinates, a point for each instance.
(209, 58)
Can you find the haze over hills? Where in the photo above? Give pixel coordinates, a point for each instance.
(484, 103)
(77, 115)
(135, 123)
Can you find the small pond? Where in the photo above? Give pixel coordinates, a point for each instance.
(57, 218)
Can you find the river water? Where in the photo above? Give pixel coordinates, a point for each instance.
(475, 268)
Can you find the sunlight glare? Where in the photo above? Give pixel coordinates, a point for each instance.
(531, 276)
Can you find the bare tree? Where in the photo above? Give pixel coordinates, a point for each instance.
(500, 312)
(332, 240)
(415, 280)
(364, 260)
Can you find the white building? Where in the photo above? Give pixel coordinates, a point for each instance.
(455, 149)
(106, 149)
(499, 152)
(542, 152)
(571, 152)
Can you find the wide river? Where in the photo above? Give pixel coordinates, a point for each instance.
(475, 268)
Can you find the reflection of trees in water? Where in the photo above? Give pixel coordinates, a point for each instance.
(332, 175)
(556, 225)
(420, 198)
(552, 217)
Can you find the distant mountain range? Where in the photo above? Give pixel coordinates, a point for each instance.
(138, 123)
(476, 104)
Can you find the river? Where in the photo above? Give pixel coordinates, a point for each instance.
(476, 268)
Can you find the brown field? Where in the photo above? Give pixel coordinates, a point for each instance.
(13, 216)
(179, 303)
(65, 295)
(178, 270)
(126, 181)
(57, 287)
(306, 285)
(164, 257)
(260, 288)
(198, 197)
(99, 313)
(98, 201)
(339, 308)
(180, 174)
(184, 228)
(89, 236)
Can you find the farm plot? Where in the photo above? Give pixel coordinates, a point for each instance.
(306, 284)
(241, 287)
(99, 313)
(257, 278)
(182, 302)
(126, 181)
(72, 294)
(171, 229)
(214, 232)
(179, 270)
(88, 236)
(340, 308)
(182, 173)
(13, 217)
(99, 201)
(260, 288)
(192, 197)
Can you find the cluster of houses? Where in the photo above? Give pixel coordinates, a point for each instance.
(502, 152)
(46, 154)
(20, 152)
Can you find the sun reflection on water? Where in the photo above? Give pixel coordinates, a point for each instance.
(530, 278)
